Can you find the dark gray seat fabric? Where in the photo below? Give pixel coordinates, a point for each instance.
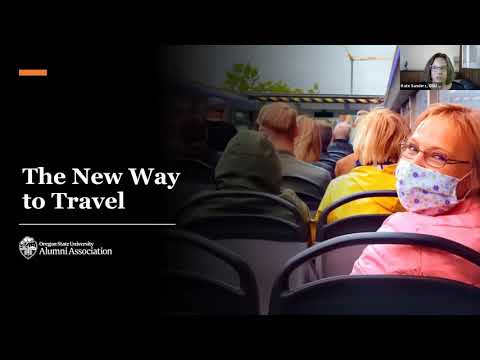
(247, 223)
(197, 275)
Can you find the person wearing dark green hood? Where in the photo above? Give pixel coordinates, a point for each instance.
(249, 163)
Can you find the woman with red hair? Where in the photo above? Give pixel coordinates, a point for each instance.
(438, 183)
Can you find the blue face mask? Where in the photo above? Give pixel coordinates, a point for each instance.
(426, 191)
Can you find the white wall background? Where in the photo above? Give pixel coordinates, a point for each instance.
(371, 77)
(298, 65)
(418, 55)
(471, 56)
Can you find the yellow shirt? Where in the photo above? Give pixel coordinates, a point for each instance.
(359, 179)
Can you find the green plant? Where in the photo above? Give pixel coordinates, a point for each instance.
(246, 78)
(242, 78)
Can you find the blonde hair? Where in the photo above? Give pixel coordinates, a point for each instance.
(279, 117)
(360, 115)
(307, 145)
(467, 121)
(379, 137)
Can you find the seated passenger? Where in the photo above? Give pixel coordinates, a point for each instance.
(340, 143)
(356, 123)
(438, 182)
(439, 69)
(249, 163)
(347, 163)
(378, 146)
(278, 122)
(307, 144)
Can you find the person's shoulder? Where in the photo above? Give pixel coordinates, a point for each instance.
(316, 171)
(335, 183)
(290, 196)
(457, 86)
(292, 161)
(346, 183)
(363, 170)
(350, 158)
(287, 159)
(322, 174)
(298, 167)
(405, 221)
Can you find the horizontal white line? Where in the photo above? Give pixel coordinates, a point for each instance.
(93, 224)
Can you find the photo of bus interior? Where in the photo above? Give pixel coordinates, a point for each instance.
(324, 180)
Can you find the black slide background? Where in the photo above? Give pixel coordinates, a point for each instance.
(98, 108)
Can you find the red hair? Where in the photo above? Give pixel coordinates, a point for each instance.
(467, 122)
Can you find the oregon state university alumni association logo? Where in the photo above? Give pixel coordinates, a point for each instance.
(28, 247)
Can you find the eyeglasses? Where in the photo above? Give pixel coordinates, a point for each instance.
(438, 68)
(433, 158)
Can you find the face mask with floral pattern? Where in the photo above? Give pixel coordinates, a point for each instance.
(426, 191)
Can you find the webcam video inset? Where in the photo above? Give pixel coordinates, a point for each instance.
(440, 67)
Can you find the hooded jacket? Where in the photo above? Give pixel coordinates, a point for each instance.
(360, 179)
(461, 224)
(249, 163)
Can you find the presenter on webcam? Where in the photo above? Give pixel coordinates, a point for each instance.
(439, 70)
